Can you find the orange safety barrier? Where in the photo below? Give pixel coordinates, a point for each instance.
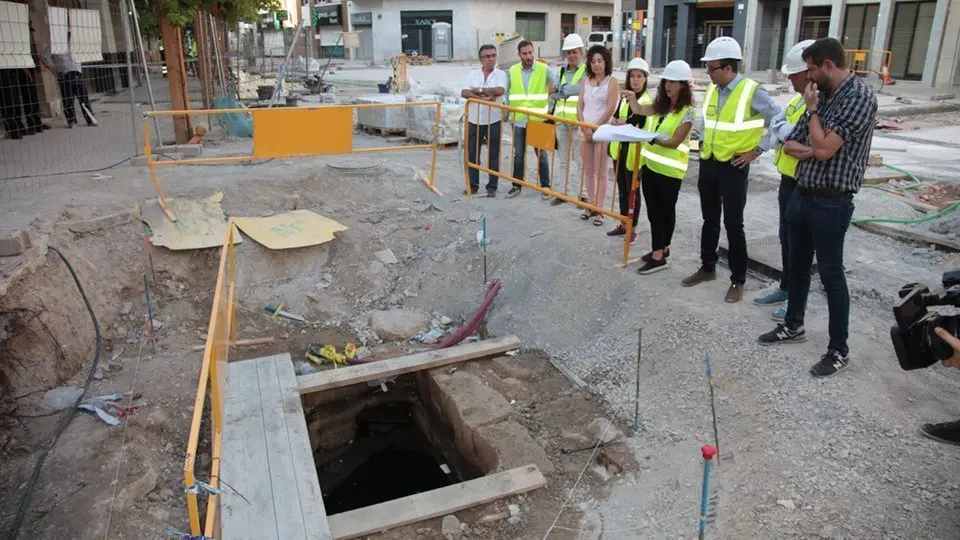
(543, 136)
(863, 61)
(221, 335)
(286, 132)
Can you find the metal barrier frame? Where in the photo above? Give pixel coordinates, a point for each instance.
(863, 57)
(332, 141)
(221, 335)
(544, 143)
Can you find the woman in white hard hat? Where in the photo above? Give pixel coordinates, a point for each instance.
(665, 158)
(598, 100)
(627, 156)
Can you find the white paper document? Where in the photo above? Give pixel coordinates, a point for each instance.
(626, 133)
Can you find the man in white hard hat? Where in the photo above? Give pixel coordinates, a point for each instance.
(832, 143)
(563, 104)
(735, 111)
(795, 68)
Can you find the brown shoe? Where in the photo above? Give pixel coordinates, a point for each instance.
(698, 277)
(734, 293)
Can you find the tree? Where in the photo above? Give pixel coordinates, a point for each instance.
(182, 13)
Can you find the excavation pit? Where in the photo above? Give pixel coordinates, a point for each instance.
(391, 456)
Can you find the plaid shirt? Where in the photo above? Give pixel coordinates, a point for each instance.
(851, 114)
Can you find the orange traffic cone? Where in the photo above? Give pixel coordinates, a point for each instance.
(885, 73)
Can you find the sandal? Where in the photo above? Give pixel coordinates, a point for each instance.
(587, 214)
(598, 221)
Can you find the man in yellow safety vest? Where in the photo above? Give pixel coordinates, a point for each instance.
(735, 111)
(563, 104)
(528, 90)
(795, 68)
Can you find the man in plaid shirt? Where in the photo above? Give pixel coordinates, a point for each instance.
(832, 142)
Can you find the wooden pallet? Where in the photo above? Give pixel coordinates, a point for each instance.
(383, 132)
(419, 60)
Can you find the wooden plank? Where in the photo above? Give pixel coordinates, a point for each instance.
(244, 460)
(337, 378)
(304, 467)
(918, 205)
(435, 503)
(283, 481)
(910, 235)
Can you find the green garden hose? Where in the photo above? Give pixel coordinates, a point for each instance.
(908, 221)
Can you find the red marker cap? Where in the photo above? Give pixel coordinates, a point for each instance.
(708, 452)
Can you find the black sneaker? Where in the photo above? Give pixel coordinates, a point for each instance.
(830, 364)
(652, 266)
(782, 334)
(649, 256)
(514, 191)
(947, 432)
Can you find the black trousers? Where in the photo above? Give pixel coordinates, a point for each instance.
(72, 87)
(477, 136)
(787, 185)
(624, 182)
(723, 193)
(661, 193)
(11, 105)
(30, 97)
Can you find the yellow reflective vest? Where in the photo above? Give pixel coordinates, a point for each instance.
(534, 97)
(670, 162)
(567, 108)
(735, 129)
(787, 165)
(614, 148)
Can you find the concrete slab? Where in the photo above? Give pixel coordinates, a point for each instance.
(515, 447)
(470, 400)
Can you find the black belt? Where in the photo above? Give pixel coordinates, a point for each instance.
(822, 192)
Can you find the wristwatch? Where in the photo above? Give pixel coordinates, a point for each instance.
(811, 112)
(759, 151)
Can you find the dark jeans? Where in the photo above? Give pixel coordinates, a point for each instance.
(71, 86)
(624, 183)
(477, 136)
(661, 193)
(783, 195)
(723, 191)
(520, 158)
(30, 97)
(10, 102)
(818, 224)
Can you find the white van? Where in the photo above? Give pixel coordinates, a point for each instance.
(600, 38)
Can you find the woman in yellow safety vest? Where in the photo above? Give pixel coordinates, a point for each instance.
(627, 156)
(598, 100)
(665, 158)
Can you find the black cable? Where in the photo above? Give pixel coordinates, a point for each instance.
(65, 420)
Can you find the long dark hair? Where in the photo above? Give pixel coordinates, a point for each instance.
(661, 105)
(643, 88)
(607, 61)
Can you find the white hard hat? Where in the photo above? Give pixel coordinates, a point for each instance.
(678, 70)
(573, 41)
(723, 48)
(794, 62)
(638, 63)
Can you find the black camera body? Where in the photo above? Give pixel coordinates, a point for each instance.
(916, 343)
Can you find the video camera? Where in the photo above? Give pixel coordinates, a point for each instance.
(914, 339)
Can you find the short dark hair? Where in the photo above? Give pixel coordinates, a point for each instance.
(661, 104)
(827, 48)
(523, 43)
(607, 61)
(734, 64)
(485, 47)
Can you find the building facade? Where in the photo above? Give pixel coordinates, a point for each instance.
(921, 37)
(389, 27)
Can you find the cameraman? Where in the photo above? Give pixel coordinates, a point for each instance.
(948, 432)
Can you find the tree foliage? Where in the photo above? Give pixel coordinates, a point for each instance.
(182, 13)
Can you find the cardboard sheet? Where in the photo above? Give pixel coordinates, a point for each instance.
(200, 223)
(299, 228)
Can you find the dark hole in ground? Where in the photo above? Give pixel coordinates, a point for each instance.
(389, 458)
